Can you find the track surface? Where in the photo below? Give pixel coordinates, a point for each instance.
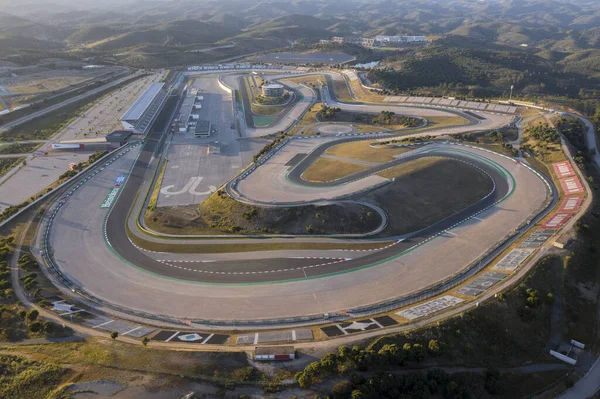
(107, 274)
(254, 271)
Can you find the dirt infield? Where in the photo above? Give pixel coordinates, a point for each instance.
(362, 151)
(324, 169)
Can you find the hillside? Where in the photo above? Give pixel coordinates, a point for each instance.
(177, 33)
(91, 34)
(463, 68)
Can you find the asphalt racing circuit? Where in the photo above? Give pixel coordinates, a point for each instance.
(89, 235)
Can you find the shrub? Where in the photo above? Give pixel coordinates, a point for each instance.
(32, 314)
(36, 326)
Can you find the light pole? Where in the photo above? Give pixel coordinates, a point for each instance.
(511, 89)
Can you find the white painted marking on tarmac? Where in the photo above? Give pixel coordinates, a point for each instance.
(103, 324)
(376, 322)
(172, 336)
(192, 190)
(293, 335)
(167, 189)
(255, 338)
(132, 330)
(475, 217)
(452, 234)
(207, 338)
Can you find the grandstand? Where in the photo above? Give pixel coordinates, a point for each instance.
(144, 111)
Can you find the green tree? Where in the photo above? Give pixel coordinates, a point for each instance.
(114, 334)
(32, 314)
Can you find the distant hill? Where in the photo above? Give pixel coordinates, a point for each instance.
(16, 42)
(291, 27)
(177, 33)
(91, 34)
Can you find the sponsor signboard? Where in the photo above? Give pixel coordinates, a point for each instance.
(537, 238)
(110, 198)
(571, 185)
(563, 169)
(571, 204)
(66, 146)
(480, 284)
(429, 307)
(120, 180)
(558, 220)
(513, 259)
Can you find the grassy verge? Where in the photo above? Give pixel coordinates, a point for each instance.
(325, 169)
(341, 91)
(257, 109)
(19, 148)
(23, 378)
(425, 191)
(309, 80)
(106, 359)
(508, 332)
(154, 196)
(7, 164)
(407, 168)
(396, 122)
(211, 248)
(362, 151)
(309, 118)
(542, 142)
(441, 121)
(222, 215)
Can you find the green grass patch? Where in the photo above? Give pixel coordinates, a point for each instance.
(427, 190)
(262, 120)
(362, 151)
(19, 148)
(7, 164)
(326, 169)
(157, 183)
(222, 215)
(341, 91)
(407, 168)
(23, 378)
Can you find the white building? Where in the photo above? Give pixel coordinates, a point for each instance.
(140, 116)
(400, 39)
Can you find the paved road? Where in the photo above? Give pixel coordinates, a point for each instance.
(71, 100)
(104, 273)
(589, 385)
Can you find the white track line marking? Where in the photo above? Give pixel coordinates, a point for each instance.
(103, 324)
(172, 336)
(132, 330)
(207, 338)
(376, 322)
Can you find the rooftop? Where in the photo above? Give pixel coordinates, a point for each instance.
(274, 350)
(142, 103)
(273, 86)
(118, 135)
(202, 126)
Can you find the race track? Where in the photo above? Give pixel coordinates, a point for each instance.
(91, 245)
